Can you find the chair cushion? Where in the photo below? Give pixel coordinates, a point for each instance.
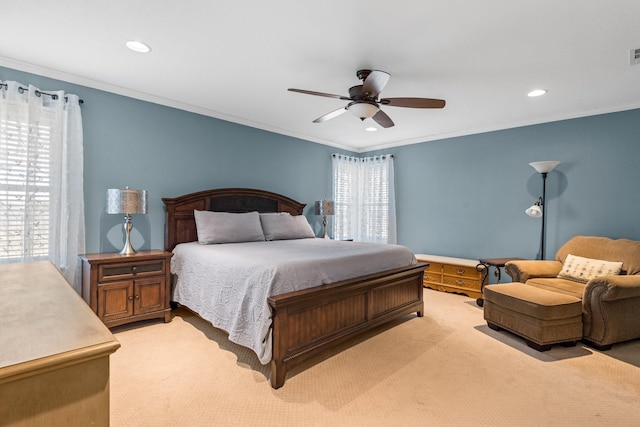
(556, 284)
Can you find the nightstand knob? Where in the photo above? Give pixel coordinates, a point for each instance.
(130, 298)
(133, 269)
(137, 296)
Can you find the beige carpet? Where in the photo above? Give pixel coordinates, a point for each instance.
(445, 369)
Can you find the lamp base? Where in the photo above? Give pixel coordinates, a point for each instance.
(127, 250)
(324, 226)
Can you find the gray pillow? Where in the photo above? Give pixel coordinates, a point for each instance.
(226, 227)
(282, 226)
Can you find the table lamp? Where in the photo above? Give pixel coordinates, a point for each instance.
(324, 208)
(127, 202)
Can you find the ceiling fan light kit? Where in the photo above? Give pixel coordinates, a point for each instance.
(364, 99)
(363, 110)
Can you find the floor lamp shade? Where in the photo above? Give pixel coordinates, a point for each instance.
(127, 202)
(545, 166)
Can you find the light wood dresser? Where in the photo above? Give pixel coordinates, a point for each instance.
(54, 351)
(459, 275)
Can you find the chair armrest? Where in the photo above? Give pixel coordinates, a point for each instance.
(611, 288)
(523, 270)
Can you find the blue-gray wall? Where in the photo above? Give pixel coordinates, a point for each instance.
(461, 197)
(466, 196)
(170, 152)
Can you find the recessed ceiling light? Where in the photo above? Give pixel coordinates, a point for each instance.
(137, 46)
(537, 92)
(371, 129)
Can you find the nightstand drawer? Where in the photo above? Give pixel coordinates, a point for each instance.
(129, 270)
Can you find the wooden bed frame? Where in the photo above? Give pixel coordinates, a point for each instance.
(309, 321)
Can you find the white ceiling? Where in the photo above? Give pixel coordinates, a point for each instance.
(234, 60)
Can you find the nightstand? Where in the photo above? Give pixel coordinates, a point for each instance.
(122, 289)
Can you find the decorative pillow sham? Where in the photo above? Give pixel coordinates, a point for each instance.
(282, 226)
(227, 227)
(582, 270)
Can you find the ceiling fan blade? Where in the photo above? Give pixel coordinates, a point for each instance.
(413, 102)
(310, 92)
(330, 115)
(374, 83)
(382, 119)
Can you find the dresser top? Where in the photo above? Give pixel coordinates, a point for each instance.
(44, 322)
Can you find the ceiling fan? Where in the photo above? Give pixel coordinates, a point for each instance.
(364, 99)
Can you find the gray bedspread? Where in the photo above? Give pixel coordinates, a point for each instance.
(228, 284)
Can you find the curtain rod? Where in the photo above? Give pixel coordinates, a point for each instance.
(38, 92)
(377, 155)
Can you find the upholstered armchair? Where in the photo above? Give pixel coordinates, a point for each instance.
(607, 282)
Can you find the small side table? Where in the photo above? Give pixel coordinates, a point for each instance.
(484, 264)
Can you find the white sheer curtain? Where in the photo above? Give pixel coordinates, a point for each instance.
(41, 175)
(364, 198)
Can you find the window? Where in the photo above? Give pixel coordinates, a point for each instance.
(364, 198)
(24, 189)
(41, 175)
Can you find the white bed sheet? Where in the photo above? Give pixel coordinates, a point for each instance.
(228, 284)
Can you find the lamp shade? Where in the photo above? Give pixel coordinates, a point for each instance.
(534, 211)
(127, 201)
(324, 207)
(545, 167)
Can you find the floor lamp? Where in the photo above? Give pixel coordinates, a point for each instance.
(538, 209)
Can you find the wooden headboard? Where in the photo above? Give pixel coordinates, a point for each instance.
(180, 225)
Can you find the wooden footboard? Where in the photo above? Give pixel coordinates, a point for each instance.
(310, 321)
